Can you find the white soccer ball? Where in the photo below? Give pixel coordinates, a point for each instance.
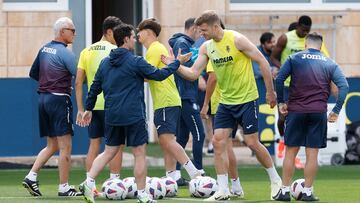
(116, 190)
(155, 187)
(296, 188)
(106, 183)
(131, 187)
(171, 186)
(203, 187)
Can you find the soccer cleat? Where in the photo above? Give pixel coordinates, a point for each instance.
(70, 193)
(308, 198)
(32, 187)
(87, 192)
(275, 187)
(280, 196)
(182, 182)
(146, 199)
(218, 196)
(239, 194)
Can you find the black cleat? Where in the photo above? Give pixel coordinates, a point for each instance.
(284, 197)
(70, 193)
(32, 187)
(182, 182)
(310, 198)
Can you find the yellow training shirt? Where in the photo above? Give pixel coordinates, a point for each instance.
(215, 97)
(233, 70)
(164, 93)
(89, 61)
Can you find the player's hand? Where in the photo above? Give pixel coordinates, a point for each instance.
(87, 115)
(168, 59)
(283, 109)
(183, 58)
(332, 118)
(79, 120)
(271, 98)
(204, 111)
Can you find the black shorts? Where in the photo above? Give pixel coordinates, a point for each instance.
(134, 135)
(166, 119)
(96, 127)
(306, 129)
(246, 115)
(55, 115)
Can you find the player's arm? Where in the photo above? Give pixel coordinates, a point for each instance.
(244, 45)
(278, 49)
(70, 63)
(194, 72)
(284, 72)
(80, 77)
(340, 81)
(35, 69)
(210, 87)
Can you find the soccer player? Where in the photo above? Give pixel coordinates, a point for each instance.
(287, 44)
(190, 120)
(121, 78)
(306, 122)
(166, 101)
(89, 61)
(213, 92)
(267, 43)
(54, 68)
(230, 54)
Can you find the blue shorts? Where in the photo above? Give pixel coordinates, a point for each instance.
(166, 119)
(55, 115)
(246, 115)
(135, 134)
(306, 129)
(96, 127)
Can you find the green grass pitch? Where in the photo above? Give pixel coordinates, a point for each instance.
(333, 185)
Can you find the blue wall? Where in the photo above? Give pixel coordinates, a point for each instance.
(19, 131)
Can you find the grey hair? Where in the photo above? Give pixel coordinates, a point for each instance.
(61, 23)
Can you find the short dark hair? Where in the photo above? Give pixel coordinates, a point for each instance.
(305, 20)
(121, 31)
(110, 22)
(209, 17)
(265, 37)
(151, 24)
(292, 26)
(315, 37)
(189, 23)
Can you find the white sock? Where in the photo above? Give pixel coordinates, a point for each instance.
(90, 182)
(142, 194)
(307, 190)
(210, 146)
(191, 169)
(285, 189)
(64, 187)
(114, 175)
(32, 176)
(223, 182)
(171, 174)
(177, 175)
(236, 185)
(273, 174)
(87, 174)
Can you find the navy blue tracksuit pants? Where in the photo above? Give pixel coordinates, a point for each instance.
(190, 121)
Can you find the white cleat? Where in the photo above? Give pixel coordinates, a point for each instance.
(275, 187)
(238, 194)
(88, 193)
(218, 196)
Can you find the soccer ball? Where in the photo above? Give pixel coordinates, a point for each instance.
(203, 186)
(297, 187)
(131, 187)
(156, 188)
(171, 187)
(106, 183)
(116, 190)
